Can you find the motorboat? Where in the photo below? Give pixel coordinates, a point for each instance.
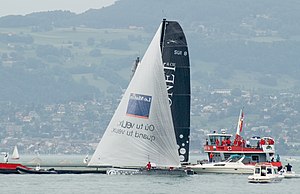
(220, 146)
(265, 173)
(235, 164)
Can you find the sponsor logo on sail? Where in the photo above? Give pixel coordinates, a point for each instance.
(169, 69)
(139, 105)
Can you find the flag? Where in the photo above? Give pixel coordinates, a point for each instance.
(241, 121)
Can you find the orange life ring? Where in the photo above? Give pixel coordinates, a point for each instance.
(229, 148)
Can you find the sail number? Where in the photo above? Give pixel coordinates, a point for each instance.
(177, 52)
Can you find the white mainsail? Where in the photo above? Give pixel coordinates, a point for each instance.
(141, 129)
(15, 154)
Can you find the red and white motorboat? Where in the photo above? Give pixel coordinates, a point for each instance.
(219, 146)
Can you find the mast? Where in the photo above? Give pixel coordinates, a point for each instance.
(136, 63)
(162, 34)
(175, 58)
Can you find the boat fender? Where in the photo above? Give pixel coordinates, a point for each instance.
(229, 148)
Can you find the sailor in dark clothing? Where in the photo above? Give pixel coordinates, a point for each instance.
(6, 157)
(288, 167)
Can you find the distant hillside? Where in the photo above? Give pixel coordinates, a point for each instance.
(227, 15)
(60, 55)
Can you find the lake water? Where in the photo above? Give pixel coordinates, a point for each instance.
(100, 183)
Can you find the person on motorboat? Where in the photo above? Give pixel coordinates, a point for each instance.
(262, 142)
(211, 156)
(248, 143)
(228, 142)
(271, 141)
(258, 145)
(277, 158)
(288, 167)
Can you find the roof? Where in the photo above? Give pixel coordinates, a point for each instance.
(219, 134)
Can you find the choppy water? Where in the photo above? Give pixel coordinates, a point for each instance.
(99, 183)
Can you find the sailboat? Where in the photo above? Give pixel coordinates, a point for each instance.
(15, 155)
(142, 129)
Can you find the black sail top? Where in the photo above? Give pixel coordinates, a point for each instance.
(175, 57)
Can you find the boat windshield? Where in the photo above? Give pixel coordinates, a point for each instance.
(246, 160)
(216, 136)
(234, 158)
(257, 170)
(269, 170)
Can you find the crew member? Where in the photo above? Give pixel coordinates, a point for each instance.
(262, 142)
(288, 167)
(148, 166)
(211, 156)
(224, 142)
(217, 142)
(248, 143)
(6, 157)
(228, 142)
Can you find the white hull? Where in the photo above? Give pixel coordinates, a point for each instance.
(265, 173)
(220, 169)
(291, 175)
(232, 165)
(268, 179)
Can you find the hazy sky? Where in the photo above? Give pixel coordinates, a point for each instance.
(22, 7)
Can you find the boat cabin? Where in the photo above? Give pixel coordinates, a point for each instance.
(265, 173)
(217, 139)
(265, 169)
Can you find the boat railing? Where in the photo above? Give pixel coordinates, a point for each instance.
(234, 148)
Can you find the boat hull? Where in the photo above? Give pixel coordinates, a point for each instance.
(10, 168)
(22, 170)
(255, 179)
(199, 169)
(291, 175)
(126, 171)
